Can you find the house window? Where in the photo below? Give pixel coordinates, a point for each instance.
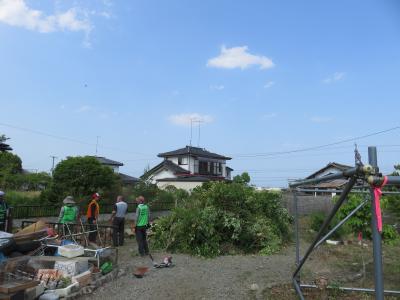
(182, 160)
(216, 168)
(220, 168)
(203, 167)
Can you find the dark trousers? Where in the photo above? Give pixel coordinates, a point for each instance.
(3, 225)
(141, 238)
(118, 231)
(92, 235)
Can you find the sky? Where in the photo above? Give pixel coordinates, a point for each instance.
(262, 77)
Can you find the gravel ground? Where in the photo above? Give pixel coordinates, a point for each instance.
(225, 277)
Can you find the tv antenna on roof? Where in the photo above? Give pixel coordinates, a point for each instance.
(199, 121)
(198, 140)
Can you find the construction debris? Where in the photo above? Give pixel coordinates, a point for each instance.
(36, 263)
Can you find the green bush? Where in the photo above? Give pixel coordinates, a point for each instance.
(361, 220)
(168, 197)
(220, 216)
(14, 198)
(317, 219)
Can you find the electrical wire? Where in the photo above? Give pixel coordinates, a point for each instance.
(69, 139)
(319, 146)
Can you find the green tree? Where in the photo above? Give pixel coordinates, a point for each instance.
(243, 178)
(81, 177)
(10, 168)
(3, 146)
(10, 163)
(393, 201)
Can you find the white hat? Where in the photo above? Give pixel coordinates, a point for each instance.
(69, 200)
(2, 193)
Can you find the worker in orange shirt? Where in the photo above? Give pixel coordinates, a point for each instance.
(92, 216)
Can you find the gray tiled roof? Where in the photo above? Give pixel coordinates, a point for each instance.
(169, 165)
(338, 166)
(195, 151)
(109, 162)
(128, 179)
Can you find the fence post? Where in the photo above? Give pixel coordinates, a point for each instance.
(376, 237)
(296, 226)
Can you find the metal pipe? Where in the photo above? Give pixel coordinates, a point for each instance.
(340, 201)
(376, 237)
(350, 289)
(298, 289)
(341, 191)
(339, 175)
(366, 169)
(391, 180)
(341, 223)
(296, 226)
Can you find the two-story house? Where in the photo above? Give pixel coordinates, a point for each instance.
(188, 167)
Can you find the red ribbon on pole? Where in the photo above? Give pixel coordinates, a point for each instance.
(377, 203)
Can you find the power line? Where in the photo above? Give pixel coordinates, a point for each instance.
(68, 139)
(319, 146)
(236, 156)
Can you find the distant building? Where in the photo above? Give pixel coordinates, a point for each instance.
(188, 168)
(126, 179)
(330, 169)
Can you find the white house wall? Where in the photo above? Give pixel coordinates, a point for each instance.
(186, 166)
(161, 175)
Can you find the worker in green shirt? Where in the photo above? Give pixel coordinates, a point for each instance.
(142, 223)
(69, 211)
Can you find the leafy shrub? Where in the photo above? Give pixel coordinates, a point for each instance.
(22, 198)
(168, 197)
(389, 234)
(317, 219)
(218, 214)
(361, 220)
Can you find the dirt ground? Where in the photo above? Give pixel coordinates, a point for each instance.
(247, 276)
(225, 277)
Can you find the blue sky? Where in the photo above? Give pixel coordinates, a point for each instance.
(263, 76)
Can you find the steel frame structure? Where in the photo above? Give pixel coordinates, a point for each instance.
(371, 176)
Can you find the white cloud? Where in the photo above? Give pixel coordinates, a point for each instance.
(17, 13)
(321, 119)
(217, 87)
(269, 116)
(186, 119)
(337, 76)
(269, 84)
(238, 57)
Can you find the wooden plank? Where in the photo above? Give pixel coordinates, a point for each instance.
(9, 287)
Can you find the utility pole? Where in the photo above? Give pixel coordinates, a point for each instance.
(52, 166)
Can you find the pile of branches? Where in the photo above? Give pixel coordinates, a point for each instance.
(225, 218)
